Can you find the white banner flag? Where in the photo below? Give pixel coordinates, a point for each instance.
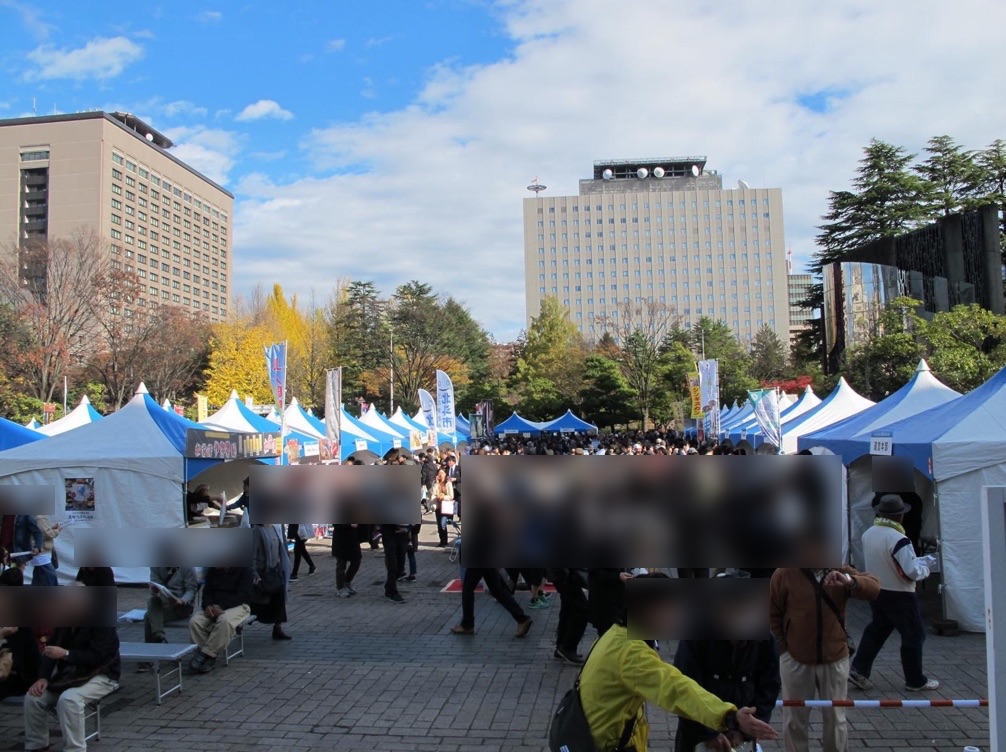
(766, 411)
(445, 404)
(429, 408)
(333, 415)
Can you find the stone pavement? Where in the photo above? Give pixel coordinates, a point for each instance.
(367, 674)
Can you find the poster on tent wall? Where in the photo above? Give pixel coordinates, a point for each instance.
(445, 405)
(695, 394)
(429, 408)
(80, 499)
(766, 412)
(329, 447)
(709, 395)
(275, 363)
(415, 440)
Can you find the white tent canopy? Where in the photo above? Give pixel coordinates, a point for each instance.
(842, 403)
(81, 415)
(134, 462)
(297, 420)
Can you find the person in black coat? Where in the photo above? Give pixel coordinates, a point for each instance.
(96, 576)
(744, 672)
(605, 597)
(346, 550)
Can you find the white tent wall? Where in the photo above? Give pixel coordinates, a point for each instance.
(124, 497)
(959, 500)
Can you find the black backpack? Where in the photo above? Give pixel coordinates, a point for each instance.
(569, 730)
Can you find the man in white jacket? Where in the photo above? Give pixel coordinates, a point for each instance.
(890, 556)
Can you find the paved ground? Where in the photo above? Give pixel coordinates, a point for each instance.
(366, 674)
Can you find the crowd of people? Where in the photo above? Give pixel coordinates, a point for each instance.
(724, 691)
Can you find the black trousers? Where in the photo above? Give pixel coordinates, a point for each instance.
(396, 547)
(346, 569)
(494, 583)
(300, 552)
(573, 613)
(533, 577)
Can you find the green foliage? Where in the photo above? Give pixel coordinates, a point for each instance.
(966, 346)
(719, 342)
(768, 355)
(606, 398)
(549, 371)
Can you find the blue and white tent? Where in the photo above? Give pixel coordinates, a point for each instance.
(135, 461)
(463, 426)
(236, 416)
(33, 424)
(850, 438)
(569, 423)
(81, 415)
(749, 431)
(14, 435)
(515, 424)
(842, 403)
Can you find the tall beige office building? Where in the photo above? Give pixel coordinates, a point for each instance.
(111, 172)
(660, 230)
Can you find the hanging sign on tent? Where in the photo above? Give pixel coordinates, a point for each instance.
(223, 445)
(415, 440)
(881, 443)
(361, 445)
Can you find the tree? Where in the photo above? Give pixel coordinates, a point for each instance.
(359, 335)
(59, 293)
(991, 163)
(887, 199)
(178, 359)
(237, 362)
(952, 176)
(549, 371)
(768, 355)
(421, 348)
(966, 346)
(639, 330)
(605, 398)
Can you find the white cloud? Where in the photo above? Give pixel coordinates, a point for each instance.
(336, 45)
(101, 58)
(210, 16)
(184, 107)
(435, 190)
(264, 108)
(31, 18)
(212, 151)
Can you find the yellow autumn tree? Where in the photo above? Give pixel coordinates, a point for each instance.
(237, 362)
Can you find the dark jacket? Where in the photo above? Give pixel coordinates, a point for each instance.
(227, 587)
(428, 473)
(747, 676)
(96, 576)
(346, 541)
(24, 671)
(90, 648)
(605, 597)
(28, 535)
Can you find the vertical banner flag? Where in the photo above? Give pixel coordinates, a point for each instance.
(709, 393)
(695, 394)
(766, 411)
(275, 361)
(332, 444)
(445, 405)
(202, 408)
(484, 411)
(429, 407)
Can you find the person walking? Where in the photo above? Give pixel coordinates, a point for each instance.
(271, 573)
(300, 534)
(499, 591)
(807, 615)
(347, 553)
(569, 584)
(889, 553)
(396, 544)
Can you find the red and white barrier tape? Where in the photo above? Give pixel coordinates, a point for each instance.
(882, 704)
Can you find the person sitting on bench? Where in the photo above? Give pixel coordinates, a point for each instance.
(182, 585)
(226, 595)
(79, 665)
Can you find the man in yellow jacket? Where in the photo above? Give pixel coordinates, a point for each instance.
(622, 674)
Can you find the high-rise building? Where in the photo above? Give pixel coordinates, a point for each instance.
(659, 231)
(799, 317)
(112, 173)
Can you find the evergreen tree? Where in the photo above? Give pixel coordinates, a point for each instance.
(719, 343)
(768, 355)
(549, 370)
(952, 177)
(359, 335)
(992, 183)
(605, 399)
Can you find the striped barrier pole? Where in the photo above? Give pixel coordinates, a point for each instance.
(883, 704)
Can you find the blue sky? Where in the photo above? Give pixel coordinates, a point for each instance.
(394, 139)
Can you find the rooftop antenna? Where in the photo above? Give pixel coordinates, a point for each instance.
(34, 111)
(536, 187)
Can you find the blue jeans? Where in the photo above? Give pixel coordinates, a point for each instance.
(894, 611)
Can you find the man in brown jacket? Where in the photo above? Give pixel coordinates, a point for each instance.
(807, 613)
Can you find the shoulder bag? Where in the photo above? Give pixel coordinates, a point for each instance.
(835, 610)
(569, 730)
